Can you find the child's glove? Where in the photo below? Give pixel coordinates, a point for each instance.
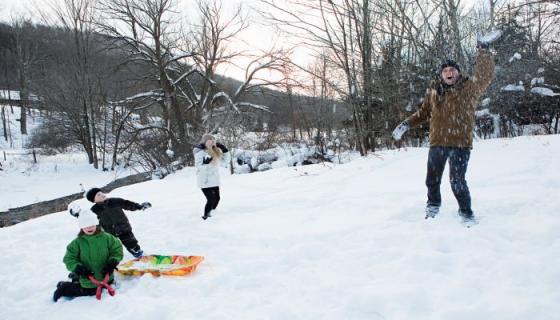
(207, 160)
(82, 271)
(110, 267)
(145, 205)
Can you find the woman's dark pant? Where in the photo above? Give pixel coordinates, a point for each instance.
(212, 198)
(458, 162)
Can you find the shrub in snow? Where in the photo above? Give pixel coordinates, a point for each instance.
(284, 155)
(544, 91)
(512, 87)
(264, 167)
(535, 81)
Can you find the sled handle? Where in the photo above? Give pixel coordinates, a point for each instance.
(102, 284)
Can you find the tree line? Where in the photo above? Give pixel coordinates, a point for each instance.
(131, 81)
(385, 53)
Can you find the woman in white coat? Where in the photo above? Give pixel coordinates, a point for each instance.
(207, 157)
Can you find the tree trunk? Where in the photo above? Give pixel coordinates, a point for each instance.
(93, 138)
(359, 133)
(104, 140)
(4, 124)
(23, 98)
(367, 76)
(87, 131)
(455, 34)
(492, 7)
(116, 147)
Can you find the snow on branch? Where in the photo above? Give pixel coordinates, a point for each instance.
(177, 58)
(253, 106)
(513, 87)
(544, 91)
(142, 95)
(193, 71)
(224, 96)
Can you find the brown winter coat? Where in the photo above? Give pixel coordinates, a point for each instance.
(452, 114)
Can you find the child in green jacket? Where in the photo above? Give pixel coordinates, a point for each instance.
(93, 252)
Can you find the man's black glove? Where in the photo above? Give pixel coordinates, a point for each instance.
(82, 271)
(206, 160)
(145, 205)
(222, 147)
(110, 267)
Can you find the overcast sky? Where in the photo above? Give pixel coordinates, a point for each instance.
(256, 37)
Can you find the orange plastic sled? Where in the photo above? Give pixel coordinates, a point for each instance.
(158, 265)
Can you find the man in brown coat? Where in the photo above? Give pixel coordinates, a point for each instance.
(449, 106)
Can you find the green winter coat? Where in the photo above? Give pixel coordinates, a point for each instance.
(93, 252)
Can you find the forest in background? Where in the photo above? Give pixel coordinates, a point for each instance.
(132, 81)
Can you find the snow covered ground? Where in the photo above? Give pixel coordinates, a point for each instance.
(23, 182)
(324, 242)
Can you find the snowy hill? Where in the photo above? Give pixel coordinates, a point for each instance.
(324, 242)
(24, 182)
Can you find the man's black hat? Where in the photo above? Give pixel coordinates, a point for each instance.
(450, 63)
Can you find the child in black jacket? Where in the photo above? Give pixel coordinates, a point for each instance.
(113, 220)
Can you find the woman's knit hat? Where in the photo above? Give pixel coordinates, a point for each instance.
(207, 137)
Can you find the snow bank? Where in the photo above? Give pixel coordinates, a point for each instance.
(544, 91)
(23, 182)
(513, 87)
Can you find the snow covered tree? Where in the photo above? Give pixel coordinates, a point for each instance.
(180, 66)
(514, 93)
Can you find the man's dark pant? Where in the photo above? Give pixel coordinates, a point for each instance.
(458, 162)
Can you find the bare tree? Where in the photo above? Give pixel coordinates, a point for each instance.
(144, 30)
(180, 64)
(26, 56)
(77, 90)
(345, 30)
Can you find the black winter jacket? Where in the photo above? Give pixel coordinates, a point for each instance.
(111, 215)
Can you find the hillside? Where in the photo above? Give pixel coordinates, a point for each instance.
(24, 182)
(324, 242)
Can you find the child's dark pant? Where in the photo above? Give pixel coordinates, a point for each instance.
(458, 162)
(212, 198)
(124, 233)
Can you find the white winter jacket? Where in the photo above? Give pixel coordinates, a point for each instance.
(207, 175)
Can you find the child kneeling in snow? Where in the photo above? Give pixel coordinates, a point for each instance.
(113, 220)
(93, 253)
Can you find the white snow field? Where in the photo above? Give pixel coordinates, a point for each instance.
(324, 242)
(23, 182)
